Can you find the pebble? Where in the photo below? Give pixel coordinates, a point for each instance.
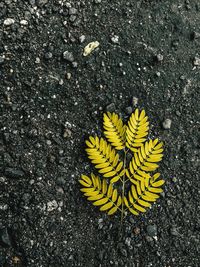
(42, 2)
(14, 173)
(61, 82)
(158, 73)
(8, 21)
(149, 238)
(48, 142)
(195, 35)
(24, 22)
(159, 57)
(1, 60)
(68, 75)
(37, 60)
(152, 230)
(48, 55)
(72, 18)
(111, 107)
(68, 56)
(115, 39)
(97, 1)
(52, 205)
(82, 39)
(74, 64)
(136, 230)
(134, 101)
(67, 133)
(167, 124)
(128, 241)
(196, 61)
(5, 238)
(123, 252)
(73, 11)
(128, 110)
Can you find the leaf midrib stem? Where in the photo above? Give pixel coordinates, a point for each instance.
(123, 186)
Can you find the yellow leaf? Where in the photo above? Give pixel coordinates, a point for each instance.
(144, 203)
(114, 195)
(156, 176)
(138, 207)
(84, 183)
(119, 166)
(106, 206)
(112, 211)
(155, 190)
(116, 159)
(115, 179)
(138, 189)
(126, 202)
(142, 115)
(92, 140)
(104, 186)
(151, 165)
(109, 174)
(90, 189)
(137, 161)
(96, 197)
(150, 199)
(158, 183)
(158, 146)
(133, 211)
(119, 201)
(134, 192)
(137, 114)
(94, 180)
(106, 170)
(101, 201)
(89, 144)
(152, 195)
(90, 194)
(143, 121)
(86, 179)
(142, 183)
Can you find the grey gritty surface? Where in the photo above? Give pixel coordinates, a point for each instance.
(148, 57)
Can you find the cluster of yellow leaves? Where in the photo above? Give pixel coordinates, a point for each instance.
(144, 186)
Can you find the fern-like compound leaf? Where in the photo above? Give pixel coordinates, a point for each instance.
(140, 198)
(101, 193)
(145, 160)
(115, 131)
(136, 175)
(105, 158)
(137, 130)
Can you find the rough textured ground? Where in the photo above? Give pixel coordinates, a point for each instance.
(149, 50)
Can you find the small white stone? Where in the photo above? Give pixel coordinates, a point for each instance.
(8, 21)
(167, 124)
(82, 39)
(24, 22)
(115, 39)
(196, 61)
(52, 205)
(135, 101)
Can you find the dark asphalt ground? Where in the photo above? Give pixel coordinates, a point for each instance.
(148, 57)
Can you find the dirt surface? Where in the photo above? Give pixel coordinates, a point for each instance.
(50, 101)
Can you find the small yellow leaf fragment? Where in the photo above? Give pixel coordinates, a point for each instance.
(90, 47)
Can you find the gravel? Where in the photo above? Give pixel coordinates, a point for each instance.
(167, 124)
(52, 98)
(68, 56)
(8, 21)
(152, 230)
